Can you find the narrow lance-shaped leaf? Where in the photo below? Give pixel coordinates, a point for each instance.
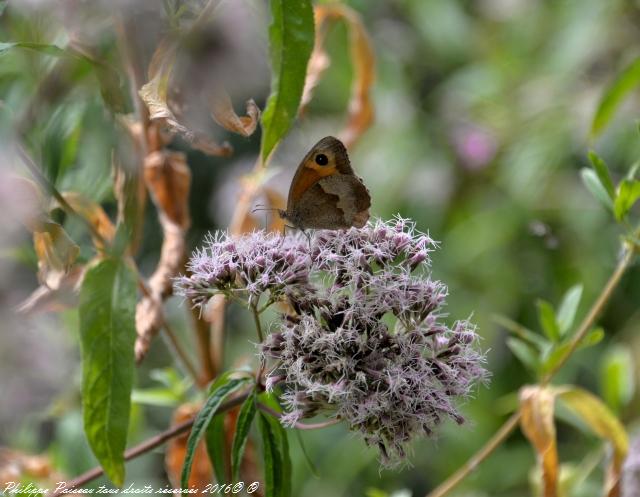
(524, 353)
(536, 421)
(603, 423)
(107, 335)
(626, 82)
(568, 308)
(218, 393)
(243, 425)
(291, 36)
(593, 184)
(548, 321)
(602, 170)
(277, 464)
(216, 447)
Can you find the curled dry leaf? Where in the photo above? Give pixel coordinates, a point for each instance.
(201, 471)
(56, 253)
(168, 179)
(54, 248)
(223, 113)
(360, 113)
(94, 214)
(537, 424)
(605, 424)
(156, 95)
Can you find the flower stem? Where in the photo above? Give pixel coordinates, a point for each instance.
(630, 250)
(256, 319)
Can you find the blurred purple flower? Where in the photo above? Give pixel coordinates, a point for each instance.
(337, 354)
(475, 146)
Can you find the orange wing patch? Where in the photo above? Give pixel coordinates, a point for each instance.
(309, 174)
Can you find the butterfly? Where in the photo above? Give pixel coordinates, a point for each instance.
(325, 193)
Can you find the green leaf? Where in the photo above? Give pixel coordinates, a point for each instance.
(594, 337)
(628, 194)
(626, 81)
(548, 321)
(277, 464)
(163, 397)
(216, 448)
(243, 425)
(602, 170)
(218, 393)
(291, 39)
(107, 336)
(524, 353)
(554, 355)
(568, 308)
(593, 184)
(633, 170)
(617, 377)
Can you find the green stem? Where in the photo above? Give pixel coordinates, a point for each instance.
(256, 319)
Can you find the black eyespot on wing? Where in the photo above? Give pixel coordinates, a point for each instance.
(322, 160)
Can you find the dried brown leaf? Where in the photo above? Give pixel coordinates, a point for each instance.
(56, 253)
(94, 214)
(149, 312)
(168, 179)
(223, 113)
(605, 424)
(360, 112)
(537, 424)
(201, 471)
(155, 94)
(149, 319)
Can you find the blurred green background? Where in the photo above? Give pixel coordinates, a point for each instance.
(483, 110)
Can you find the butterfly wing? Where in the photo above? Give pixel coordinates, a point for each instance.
(325, 193)
(335, 202)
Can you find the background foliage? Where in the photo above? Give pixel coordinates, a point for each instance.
(485, 112)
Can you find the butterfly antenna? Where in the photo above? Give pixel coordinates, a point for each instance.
(260, 207)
